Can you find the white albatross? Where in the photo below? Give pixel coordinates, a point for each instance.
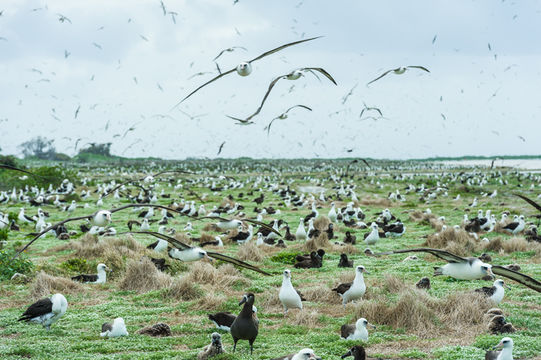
(460, 267)
(46, 311)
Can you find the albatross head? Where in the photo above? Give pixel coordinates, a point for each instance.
(506, 342)
(487, 270)
(247, 298)
(306, 354)
(287, 274)
(357, 352)
(360, 269)
(244, 69)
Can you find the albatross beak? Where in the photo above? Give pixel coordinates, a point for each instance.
(498, 346)
(372, 325)
(209, 258)
(244, 298)
(346, 355)
(490, 273)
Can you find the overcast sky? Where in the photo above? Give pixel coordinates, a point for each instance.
(127, 65)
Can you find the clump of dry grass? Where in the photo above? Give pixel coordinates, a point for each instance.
(319, 242)
(321, 294)
(142, 276)
(210, 227)
(436, 224)
(45, 285)
(456, 241)
(381, 202)
(322, 223)
(498, 244)
(220, 278)
(211, 301)
(308, 318)
(111, 251)
(250, 252)
(183, 288)
(421, 314)
(419, 216)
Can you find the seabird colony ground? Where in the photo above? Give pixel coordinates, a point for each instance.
(441, 318)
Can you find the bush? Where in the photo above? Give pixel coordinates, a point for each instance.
(9, 160)
(8, 267)
(4, 234)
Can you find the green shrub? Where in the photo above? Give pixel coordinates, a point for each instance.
(4, 234)
(8, 266)
(77, 265)
(285, 257)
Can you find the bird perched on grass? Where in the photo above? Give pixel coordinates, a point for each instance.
(495, 293)
(115, 329)
(214, 348)
(304, 354)
(357, 331)
(505, 354)
(288, 295)
(344, 261)
(46, 311)
(99, 278)
(246, 324)
(353, 290)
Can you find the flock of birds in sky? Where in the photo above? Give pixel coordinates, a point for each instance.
(245, 326)
(245, 69)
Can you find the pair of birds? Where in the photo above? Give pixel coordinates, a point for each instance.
(49, 310)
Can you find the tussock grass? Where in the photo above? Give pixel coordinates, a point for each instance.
(456, 241)
(250, 252)
(184, 289)
(424, 315)
(380, 202)
(419, 216)
(319, 242)
(498, 244)
(220, 278)
(322, 223)
(305, 317)
(210, 302)
(45, 285)
(142, 276)
(112, 251)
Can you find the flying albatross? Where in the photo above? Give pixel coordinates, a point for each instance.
(471, 268)
(293, 75)
(187, 253)
(245, 68)
(283, 116)
(399, 71)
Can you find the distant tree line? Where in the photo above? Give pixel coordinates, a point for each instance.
(44, 149)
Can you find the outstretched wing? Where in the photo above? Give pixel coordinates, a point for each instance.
(442, 254)
(271, 85)
(379, 77)
(418, 67)
(321, 70)
(296, 106)
(47, 229)
(205, 84)
(237, 262)
(518, 277)
(267, 53)
(171, 240)
(529, 201)
(266, 226)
